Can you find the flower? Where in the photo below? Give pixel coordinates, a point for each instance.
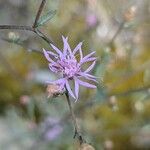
(51, 128)
(65, 63)
(91, 20)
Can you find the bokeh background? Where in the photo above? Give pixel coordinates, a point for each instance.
(116, 116)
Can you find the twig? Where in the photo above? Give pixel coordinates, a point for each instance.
(39, 13)
(31, 28)
(15, 27)
(117, 32)
(77, 132)
(43, 36)
(27, 28)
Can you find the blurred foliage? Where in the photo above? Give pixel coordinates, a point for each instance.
(116, 116)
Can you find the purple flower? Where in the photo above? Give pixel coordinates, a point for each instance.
(91, 20)
(53, 133)
(51, 128)
(65, 63)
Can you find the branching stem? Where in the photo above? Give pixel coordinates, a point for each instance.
(39, 13)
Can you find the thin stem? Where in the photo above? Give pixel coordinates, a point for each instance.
(39, 13)
(15, 27)
(117, 32)
(43, 36)
(27, 28)
(77, 132)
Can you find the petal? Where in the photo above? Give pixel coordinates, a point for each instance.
(46, 54)
(59, 81)
(54, 67)
(88, 60)
(66, 46)
(52, 54)
(88, 76)
(86, 84)
(76, 87)
(65, 41)
(90, 67)
(77, 48)
(81, 54)
(91, 79)
(56, 49)
(87, 56)
(69, 89)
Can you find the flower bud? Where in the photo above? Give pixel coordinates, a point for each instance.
(54, 90)
(86, 146)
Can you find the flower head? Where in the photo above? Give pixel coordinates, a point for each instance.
(51, 128)
(65, 63)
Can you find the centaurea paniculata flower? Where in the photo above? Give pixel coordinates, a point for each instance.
(66, 63)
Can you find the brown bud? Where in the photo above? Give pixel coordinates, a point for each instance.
(24, 99)
(130, 13)
(113, 103)
(54, 90)
(86, 146)
(108, 145)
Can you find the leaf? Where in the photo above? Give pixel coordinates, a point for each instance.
(46, 18)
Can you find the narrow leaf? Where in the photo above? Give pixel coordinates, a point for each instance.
(46, 18)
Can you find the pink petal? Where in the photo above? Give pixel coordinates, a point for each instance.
(77, 48)
(87, 56)
(65, 41)
(91, 79)
(46, 54)
(66, 46)
(91, 76)
(86, 84)
(90, 67)
(51, 53)
(81, 54)
(59, 81)
(76, 87)
(56, 49)
(88, 60)
(88, 76)
(54, 67)
(69, 89)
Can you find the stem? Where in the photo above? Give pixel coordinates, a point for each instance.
(117, 32)
(39, 13)
(43, 36)
(31, 28)
(15, 27)
(27, 28)
(77, 132)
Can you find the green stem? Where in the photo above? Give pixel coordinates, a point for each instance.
(77, 132)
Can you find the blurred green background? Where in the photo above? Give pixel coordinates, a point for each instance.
(116, 116)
